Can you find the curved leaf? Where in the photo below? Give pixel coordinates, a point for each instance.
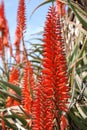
(14, 87)
(79, 15)
(43, 3)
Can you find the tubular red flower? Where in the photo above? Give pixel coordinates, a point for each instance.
(21, 25)
(21, 15)
(14, 79)
(4, 31)
(48, 70)
(61, 88)
(38, 107)
(55, 71)
(14, 76)
(54, 81)
(64, 124)
(60, 8)
(2, 16)
(20, 22)
(28, 84)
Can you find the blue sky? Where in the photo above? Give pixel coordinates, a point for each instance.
(34, 24)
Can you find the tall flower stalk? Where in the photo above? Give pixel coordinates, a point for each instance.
(38, 112)
(21, 26)
(55, 80)
(60, 8)
(27, 89)
(4, 35)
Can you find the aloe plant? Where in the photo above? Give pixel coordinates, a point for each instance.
(45, 87)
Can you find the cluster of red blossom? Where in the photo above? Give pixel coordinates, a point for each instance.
(4, 31)
(48, 105)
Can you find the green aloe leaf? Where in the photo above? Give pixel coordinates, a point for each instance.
(14, 87)
(10, 125)
(81, 69)
(74, 52)
(16, 116)
(36, 60)
(80, 110)
(79, 15)
(79, 8)
(16, 97)
(77, 121)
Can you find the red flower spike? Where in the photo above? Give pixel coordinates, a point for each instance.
(2, 16)
(28, 84)
(38, 107)
(55, 71)
(60, 8)
(51, 93)
(48, 70)
(21, 15)
(14, 79)
(4, 38)
(20, 22)
(21, 26)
